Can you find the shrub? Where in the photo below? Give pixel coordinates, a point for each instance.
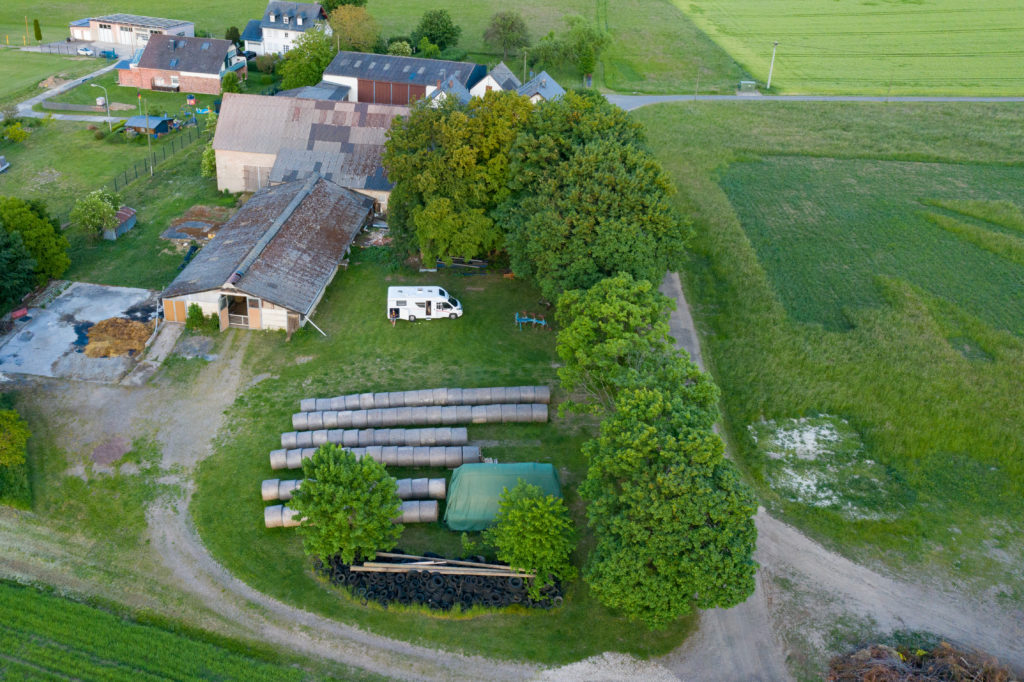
(117, 126)
(14, 435)
(230, 82)
(265, 63)
(195, 321)
(455, 54)
(400, 48)
(97, 211)
(15, 132)
(99, 134)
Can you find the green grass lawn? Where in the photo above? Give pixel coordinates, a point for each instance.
(362, 352)
(857, 268)
(951, 47)
(21, 72)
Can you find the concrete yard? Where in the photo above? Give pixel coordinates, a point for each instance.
(50, 341)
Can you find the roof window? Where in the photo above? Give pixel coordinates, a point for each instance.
(204, 46)
(421, 70)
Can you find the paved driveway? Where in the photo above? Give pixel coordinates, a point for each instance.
(51, 341)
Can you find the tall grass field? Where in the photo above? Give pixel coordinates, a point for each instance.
(857, 273)
(955, 47)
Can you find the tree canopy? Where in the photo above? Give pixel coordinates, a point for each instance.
(230, 82)
(96, 212)
(331, 5)
(507, 31)
(18, 268)
(533, 532)
(40, 235)
(436, 25)
(450, 169)
(233, 35)
(304, 64)
(400, 48)
(14, 435)
(354, 28)
(346, 505)
(673, 522)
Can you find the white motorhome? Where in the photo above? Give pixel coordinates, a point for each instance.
(421, 303)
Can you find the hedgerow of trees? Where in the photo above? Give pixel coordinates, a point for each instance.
(40, 235)
(14, 435)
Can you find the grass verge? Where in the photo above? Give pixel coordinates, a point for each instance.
(21, 72)
(362, 352)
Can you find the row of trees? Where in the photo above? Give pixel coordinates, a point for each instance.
(567, 188)
(32, 248)
(14, 435)
(672, 521)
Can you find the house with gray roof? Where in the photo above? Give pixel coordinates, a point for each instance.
(390, 79)
(500, 78)
(449, 88)
(131, 30)
(541, 88)
(176, 64)
(266, 140)
(268, 267)
(282, 23)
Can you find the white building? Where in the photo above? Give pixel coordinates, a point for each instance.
(128, 29)
(281, 26)
(500, 78)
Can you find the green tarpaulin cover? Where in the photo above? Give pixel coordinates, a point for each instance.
(474, 490)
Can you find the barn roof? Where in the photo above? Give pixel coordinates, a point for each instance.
(395, 69)
(140, 20)
(194, 55)
(284, 245)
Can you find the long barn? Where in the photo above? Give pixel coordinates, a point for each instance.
(389, 79)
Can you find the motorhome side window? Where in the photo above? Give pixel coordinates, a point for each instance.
(421, 304)
(401, 304)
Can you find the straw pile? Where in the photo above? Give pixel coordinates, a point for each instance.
(117, 336)
(878, 663)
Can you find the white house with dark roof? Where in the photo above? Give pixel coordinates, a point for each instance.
(449, 88)
(268, 267)
(541, 88)
(500, 78)
(390, 79)
(281, 25)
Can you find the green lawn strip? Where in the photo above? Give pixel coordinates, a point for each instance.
(947, 47)
(1004, 214)
(1004, 245)
(59, 635)
(21, 72)
(139, 258)
(362, 353)
(927, 383)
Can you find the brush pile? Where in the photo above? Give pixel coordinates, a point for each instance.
(944, 663)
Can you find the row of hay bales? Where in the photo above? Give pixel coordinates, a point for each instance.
(412, 511)
(421, 416)
(450, 456)
(408, 489)
(428, 397)
(444, 435)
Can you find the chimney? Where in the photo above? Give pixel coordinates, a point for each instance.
(543, 82)
(271, 17)
(438, 83)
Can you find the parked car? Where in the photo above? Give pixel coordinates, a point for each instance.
(249, 54)
(86, 51)
(108, 54)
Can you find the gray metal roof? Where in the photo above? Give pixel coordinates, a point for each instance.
(543, 85)
(139, 20)
(310, 13)
(252, 32)
(322, 90)
(394, 69)
(504, 77)
(284, 245)
(356, 169)
(194, 55)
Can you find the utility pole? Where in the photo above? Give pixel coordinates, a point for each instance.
(696, 87)
(149, 142)
(772, 67)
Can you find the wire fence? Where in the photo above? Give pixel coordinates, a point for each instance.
(146, 166)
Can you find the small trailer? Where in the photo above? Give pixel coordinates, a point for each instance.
(421, 303)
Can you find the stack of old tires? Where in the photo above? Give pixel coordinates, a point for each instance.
(435, 591)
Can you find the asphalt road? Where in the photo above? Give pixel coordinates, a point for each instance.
(630, 102)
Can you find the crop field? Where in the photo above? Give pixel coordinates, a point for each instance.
(951, 47)
(45, 637)
(21, 72)
(857, 270)
(363, 352)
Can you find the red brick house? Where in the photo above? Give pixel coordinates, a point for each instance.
(183, 64)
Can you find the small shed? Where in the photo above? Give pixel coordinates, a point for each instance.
(150, 125)
(125, 221)
(475, 489)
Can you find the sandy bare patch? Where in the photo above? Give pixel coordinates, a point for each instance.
(111, 450)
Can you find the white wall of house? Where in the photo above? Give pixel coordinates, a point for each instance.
(243, 171)
(486, 83)
(352, 83)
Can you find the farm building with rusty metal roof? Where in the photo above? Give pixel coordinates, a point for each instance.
(261, 141)
(268, 267)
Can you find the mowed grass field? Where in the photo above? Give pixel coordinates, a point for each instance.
(21, 72)
(363, 352)
(857, 273)
(953, 47)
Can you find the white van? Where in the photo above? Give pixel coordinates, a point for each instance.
(421, 303)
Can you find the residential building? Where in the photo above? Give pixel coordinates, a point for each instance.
(128, 29)
(281, 25)
(268, 267)
(500, 78)
(261, 141)
(449, 88)
(389, 79)
(541, 88)
(174, 64)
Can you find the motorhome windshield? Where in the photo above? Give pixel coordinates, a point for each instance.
(453, 301)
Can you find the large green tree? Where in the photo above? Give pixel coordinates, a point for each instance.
(304, 64)
(40, 235)
(533, 532)
(450, 168)
(507, 31)
(604, 210)
(17, 269)
(96, 212)
(14, 435)
(673, 523)
(436, 25)
(331, 5)
(615, 336)
(347, 506)
(354, 28)
(583, 43)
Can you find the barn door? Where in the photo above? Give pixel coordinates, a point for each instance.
(222, 312)
(254, 314)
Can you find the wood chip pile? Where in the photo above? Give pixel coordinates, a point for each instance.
(117, 336)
